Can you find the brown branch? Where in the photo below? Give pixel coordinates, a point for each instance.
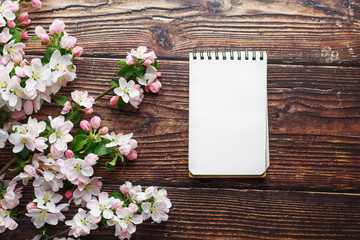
(57, 234)
(104, 93)
(7, 166)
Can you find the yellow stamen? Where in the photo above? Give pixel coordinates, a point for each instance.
(127, 220)
(78, 168)
(23, 140)
(36, 75)
(3, 84)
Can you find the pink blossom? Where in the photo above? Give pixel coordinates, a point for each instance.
(147, 89)
(55, 153)
(41, 33)
(69, 153)
(129, 60)
(66, 108)
(23, 17)
(125, 149)
(56, 27)
(11, 24)
(151, 56)
(36, 3)
(28, 107)
(155, 86)
(68, 42)
(20, 72)
(85, 125)
(23, 63)
(89, 111)
(30, 206)
(132, 155)
(135, 102)
(68, 194)
(114, 100)
(137, 86)
(24, 35)
(148, 62)
(158, 74)
(77, 51)
(104, 130)
(30, 170)
(26, 22)
(95, 122)
(5, 35)
(91, 159)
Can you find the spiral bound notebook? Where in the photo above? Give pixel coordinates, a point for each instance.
(228, 117)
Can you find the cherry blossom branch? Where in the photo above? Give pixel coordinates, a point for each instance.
(104, 93)
(7, 166)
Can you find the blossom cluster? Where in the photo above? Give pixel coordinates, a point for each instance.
(138, 75)
(25, 85)
(123, 210)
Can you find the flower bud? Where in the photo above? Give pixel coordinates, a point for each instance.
(14, 7)
(36, 3)
(137, 86)
(95, 122)
(23, 17)
(18, 115)
(104, 130)
(132, 155)
(26, 22)
(89, 110)
(66, 108)
(11, 24)
(68, 194)
(77, 51)
(148, 62)
(147, 89)
(28, 107)
(85, 125)
(125, 149)
(41, 33)
(30, 206)
(158, 74)
(114, 100)
(129, 60)
(133, 207)
(30, 170)
(155, 86)
(91, 159)
(56, 27)
(24, 35)
(69, 153)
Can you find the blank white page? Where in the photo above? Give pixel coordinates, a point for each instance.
(228, 115)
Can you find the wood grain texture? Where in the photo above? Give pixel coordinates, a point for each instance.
(312, 187)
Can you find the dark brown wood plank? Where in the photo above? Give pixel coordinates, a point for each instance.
(313, 118)
(302, 32)
(239, 214)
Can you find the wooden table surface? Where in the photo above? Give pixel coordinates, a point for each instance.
(312, 188)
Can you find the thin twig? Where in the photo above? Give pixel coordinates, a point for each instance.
(7, 166)
(104, 93)
(57, 234)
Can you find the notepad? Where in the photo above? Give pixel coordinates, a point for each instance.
(228, 116)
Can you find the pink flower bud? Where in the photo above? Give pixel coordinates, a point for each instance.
(77, 51)
(137, 86)
(14, 7)
(69, 153)
(124, 189)
(23, 17)
(11, 24)
(66, 108)
(155, 86)
(12, 224)
(129, 60)
(24, 35)
(41, 33)
(125, 149)
(114, 100)
(85, 125)
(104, 130)
(148, 62)
(133, 207)
(95, 122)
(26, 22)
(68, 194)
(91, 159)
(151, 56)
(18, 115)
(132, 155)
(56, 27)
(36, 3)
(147, 89)
(30, 170)
(28, 107)
(17, 59)
(158, 74)
(89, 110)
(30, 206)
(118, 208)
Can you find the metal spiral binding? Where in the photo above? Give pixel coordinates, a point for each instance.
(223, 53)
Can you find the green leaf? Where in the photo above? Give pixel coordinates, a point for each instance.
(109, 167)
(76, 117)
(121, 104)
(115, 83)
(156, 64)
(101, 149)
(17, 168)
(104, 222)
(117, 195)
(126, 70)
(61, 100)
(44, 43)
(81, 131)
(69, 115)
(49, 52)
(78, 142)
(140, 71)
(24, 153)
(16, 36)
(90, 148)
(35, 38)
(121, 62)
